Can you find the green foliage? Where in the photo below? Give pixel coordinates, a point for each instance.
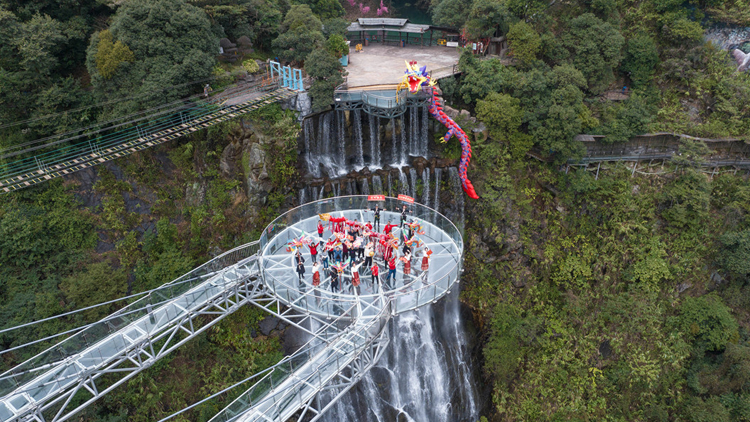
(708, 322)
(628, 119)
(487, 18)
(100, 282)
(510, 334)
(734, 256)
(683, 31)
(172, 43)
(503, 116)
(524, 41)
(595, 47)
(337, 46)
(251, 66)
(685, 200)
(480, 77)
(325, 9)
(527, 9)
(300, 34)
(109, 55)
(641, 58)
(450, 13)
(325, 69)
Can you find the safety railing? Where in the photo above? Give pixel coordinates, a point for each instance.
(444, 272)
(154, 304)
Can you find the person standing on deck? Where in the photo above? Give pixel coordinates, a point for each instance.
(314, 251)
(388, 227)
(391, 273)
(403, 216)
(334, 280)
(300, 266)
(320, 228)
(375, 272)
(369, 253)
(355, 277)
(377, 217)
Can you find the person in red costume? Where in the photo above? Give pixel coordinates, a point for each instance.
(388, 227)
(314, 250)
(320, 228)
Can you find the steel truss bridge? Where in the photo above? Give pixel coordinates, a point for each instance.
(347, 332)
(106, 144)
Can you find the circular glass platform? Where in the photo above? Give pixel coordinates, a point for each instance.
(407, 291)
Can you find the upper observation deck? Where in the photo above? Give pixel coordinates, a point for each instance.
(409, 290)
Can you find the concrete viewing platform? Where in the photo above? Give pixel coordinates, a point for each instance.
(384, 65)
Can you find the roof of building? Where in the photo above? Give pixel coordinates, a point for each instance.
(407, 27)
(382, 21)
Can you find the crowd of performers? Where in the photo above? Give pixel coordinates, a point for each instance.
(346, 252)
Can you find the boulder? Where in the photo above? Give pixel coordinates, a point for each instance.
(268, 324)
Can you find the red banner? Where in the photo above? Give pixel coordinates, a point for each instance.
(376, 197)
(405, 198)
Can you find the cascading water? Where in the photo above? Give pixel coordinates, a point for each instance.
(423, 134)
(403, 183)
(365, 187)
(424, 375)
(377, 185)
(308, 133)
(341, 138)
(413, 180)
(390, 185)
(303, 196)
(437, 190)
(374, 142)
(402, 144)
(426, 187)
(357, 122)
(413, 130)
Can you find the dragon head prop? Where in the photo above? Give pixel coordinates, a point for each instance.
(416, 77)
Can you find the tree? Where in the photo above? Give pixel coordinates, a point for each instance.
(300, 34)
(337, 46)
(487, 18)
(480, 77)
(325, 69)
(735, 253)
(109, 55)
(503, 116)
(450, 13)
(325, 9)
(595, 48)
(524, 42)
(641, 58)
(527, 9)
(708, 321)
(172, 44)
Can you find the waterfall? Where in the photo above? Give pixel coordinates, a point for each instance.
(357, 120)
(426, 187)
(374, 142)
(395, 156)
(366, 186)
(308, 134)
(403, 143)
(423, 140)
(341, 138)
(403, 183)
(413, 180)
(302, 196)
(413, 130)
(351, 188)
(437, 189)
(458, 196)
(320, 195)
(377, 185)
(390, 184)
(424, 375)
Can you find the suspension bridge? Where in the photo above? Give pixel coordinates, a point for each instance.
(347, 333)
(66, 156)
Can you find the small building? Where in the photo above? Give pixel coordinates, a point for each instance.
(392, 31)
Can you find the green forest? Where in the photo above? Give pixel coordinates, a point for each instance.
(618, 296)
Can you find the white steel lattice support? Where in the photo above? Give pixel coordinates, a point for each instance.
(97, 381)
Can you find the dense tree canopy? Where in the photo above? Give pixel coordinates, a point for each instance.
(300, 34)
